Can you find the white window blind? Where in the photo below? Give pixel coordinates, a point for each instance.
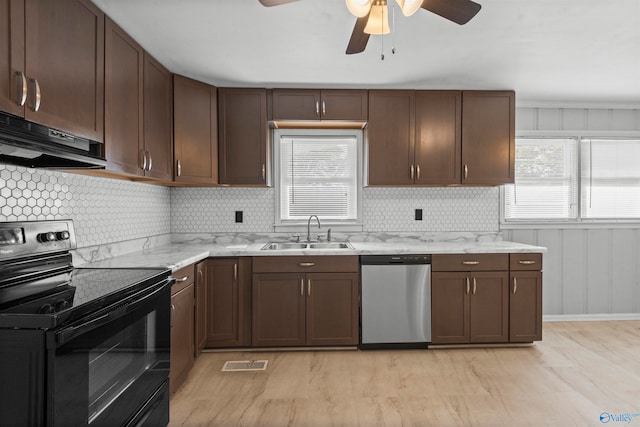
(546, 180)
(610, 178)
(318, 176)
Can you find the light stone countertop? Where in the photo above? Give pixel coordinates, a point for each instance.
(177, 255)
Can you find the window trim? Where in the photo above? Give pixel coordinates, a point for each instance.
(570, 223)
(336, 225)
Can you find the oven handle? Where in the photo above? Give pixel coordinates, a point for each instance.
(65, 335)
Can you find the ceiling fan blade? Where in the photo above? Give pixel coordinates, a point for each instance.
(270, 3)
(359, 39)
(458, 11)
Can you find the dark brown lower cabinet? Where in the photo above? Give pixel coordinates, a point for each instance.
(201, 307)
(296, 309)
(470, 307)
(525, 306)
(182, 339)
(228, 290)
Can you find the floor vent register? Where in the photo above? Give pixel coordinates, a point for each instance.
(245, 365)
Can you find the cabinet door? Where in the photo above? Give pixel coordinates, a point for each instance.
(123, 125)
(182, 344)
(12, 56)
(295, 104)
(489, 307)
(242, 117)
(195, 131)
(223, 319)
(437, 126)
(278, 310)
(525, 306)
(488, 137)
(344, 105)
(158, 119)
(65, 57)
(332, 308)
(450, 308)
(390, 137)
(202, 280)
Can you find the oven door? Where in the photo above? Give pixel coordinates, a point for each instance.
(106, 368)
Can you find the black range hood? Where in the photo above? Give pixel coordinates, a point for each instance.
(32, 145)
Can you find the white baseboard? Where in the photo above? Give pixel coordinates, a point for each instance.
(589, 317)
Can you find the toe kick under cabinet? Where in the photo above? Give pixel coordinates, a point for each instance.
(305, 301)
(486, 298)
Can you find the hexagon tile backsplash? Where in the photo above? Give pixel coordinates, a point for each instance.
(103, 210)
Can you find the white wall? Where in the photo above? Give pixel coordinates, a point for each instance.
(587, 271)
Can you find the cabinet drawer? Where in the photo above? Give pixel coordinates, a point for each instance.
(184, 277)
(305, 264)
(470, 262)
(525, 261)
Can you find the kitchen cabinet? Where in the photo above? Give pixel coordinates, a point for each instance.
(331, 104)
(243, 136)
(488, 137)
(525, 298)
(228, 289)
(470, 298)
(182, 327)
(301, 301)
(195, 130)
(52, 64)
(200, 315)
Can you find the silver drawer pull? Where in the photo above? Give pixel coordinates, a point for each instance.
(307, 264)
(526, 262)
(182, 279)
(471, 262)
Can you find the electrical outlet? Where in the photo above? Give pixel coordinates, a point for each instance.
(418, 214)
(238, 216)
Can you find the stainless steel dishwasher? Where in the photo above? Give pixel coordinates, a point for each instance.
(396, 301)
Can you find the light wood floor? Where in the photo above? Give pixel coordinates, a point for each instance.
(578, 371)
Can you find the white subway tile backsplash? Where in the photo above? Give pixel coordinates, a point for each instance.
(103, 210)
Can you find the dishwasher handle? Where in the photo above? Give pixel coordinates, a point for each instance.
(395, 259)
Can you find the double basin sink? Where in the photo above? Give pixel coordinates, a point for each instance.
(303, 246)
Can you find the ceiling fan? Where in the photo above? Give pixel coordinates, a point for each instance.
(373, 15)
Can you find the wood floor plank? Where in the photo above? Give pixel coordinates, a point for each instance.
(578, 371)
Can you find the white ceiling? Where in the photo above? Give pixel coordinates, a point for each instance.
(546, 50)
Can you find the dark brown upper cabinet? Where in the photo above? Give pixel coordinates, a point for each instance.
(195, 131)
(331, 104)
(488, 137)
(242, 120)
(138, 125)
(53, 74)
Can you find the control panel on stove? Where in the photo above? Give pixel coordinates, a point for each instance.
(35, 237)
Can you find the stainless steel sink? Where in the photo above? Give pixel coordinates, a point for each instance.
(273, 246)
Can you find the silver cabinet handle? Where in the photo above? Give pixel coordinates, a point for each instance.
(417, 171)
(144, 159)
(150, 161)
(173, 310)
(182, 279)
(526, 262)
(468, 287)
(324, 108)
(235, 272)
(466, 171)
(37, 95)
(21, 83)
(306, 264)
(515, 285)
(301, 287)
(475, 285)
(309, 287)
(471, 262)
(264, 172)
(411, 171)
(318, 108)
(179, 168)
(200, 274)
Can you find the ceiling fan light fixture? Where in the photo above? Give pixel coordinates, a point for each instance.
(378, 22)
(409, 7)
(359, 8)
